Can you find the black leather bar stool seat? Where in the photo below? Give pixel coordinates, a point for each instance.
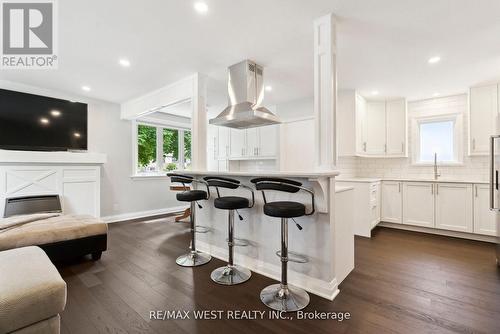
(192, 195)
(231, 203)
(284, 209)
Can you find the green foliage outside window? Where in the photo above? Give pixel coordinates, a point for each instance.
(187, 146)
(146, 140)
(171, 143)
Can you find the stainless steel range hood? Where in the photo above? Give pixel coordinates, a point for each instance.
(246, 93)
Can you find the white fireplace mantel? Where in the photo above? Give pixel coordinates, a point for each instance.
(74, 176)
(35, 157)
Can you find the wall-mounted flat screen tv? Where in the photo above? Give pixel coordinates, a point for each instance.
(38, 123)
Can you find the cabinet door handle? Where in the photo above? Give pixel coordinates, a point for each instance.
(432, 189)
(364, 146)
(476, 190)
(402, 147)
(385, 148)
(473, 144)
(437, 189)
(399, 186)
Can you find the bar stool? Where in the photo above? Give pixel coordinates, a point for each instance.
(230, 274)
(193, 258)
(282, 297)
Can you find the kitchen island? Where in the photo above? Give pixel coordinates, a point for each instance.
(323, 241)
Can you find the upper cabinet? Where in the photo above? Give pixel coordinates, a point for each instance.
(254, 143)
(396, 127)
(483, 115)
(371, 128)
(375, 143)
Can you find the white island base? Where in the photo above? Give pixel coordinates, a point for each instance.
(327, 244)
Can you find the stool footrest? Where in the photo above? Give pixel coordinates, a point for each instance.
(202, 229)
(294, 257)
(239, 242)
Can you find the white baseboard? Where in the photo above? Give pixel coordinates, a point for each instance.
(328, 290)
(455, 234)
(142, 214)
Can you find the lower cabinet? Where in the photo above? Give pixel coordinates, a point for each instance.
(484, 219)
(392, 203)
(454, 207)
(462, 207)
(418, 204)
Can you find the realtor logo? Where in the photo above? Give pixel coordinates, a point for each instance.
(28, 34)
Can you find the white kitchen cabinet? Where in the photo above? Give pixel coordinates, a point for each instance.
(454, 206)
(371, 128)
(360, 121)
(367, 203)
(237, 143)
(418, 204)
(268, 146)
(483, 114)
(392, 202)
(223, 142)
(252, 142)
(212, 146)
(396, 127)
(375, 130)
(484, 219)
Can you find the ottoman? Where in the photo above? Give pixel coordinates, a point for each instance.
(32, 293)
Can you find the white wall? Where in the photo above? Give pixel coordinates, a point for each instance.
(475, 168)
(121, 196)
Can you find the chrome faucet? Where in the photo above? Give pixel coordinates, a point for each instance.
(436, 173)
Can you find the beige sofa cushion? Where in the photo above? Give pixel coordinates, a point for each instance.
(50, 230)
(31, 289)
(49, 326)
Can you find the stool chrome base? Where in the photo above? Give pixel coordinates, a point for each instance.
(230, 275)
(284, 298)
(193, 259)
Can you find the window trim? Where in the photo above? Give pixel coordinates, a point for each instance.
(159, 147)
(458, 140)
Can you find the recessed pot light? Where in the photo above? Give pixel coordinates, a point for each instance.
(375, 92)
(436, 94)
(124, 62)
(76, 134)
(434, 60)
(268, 88)
(86, 88)
(44, 120)
(201, 7)
(55, 113)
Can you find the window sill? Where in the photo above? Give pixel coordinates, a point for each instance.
(148, 176)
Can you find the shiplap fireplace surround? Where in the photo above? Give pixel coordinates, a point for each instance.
(75, 177)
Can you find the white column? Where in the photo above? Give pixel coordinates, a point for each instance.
(199, 123)
(325, 92)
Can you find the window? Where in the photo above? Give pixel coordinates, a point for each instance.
(146, 148)
(436, 138)
(161, 149)
(438, 135)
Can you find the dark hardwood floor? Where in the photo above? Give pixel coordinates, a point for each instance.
(404, 282)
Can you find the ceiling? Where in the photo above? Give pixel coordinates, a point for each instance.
(383, 45)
